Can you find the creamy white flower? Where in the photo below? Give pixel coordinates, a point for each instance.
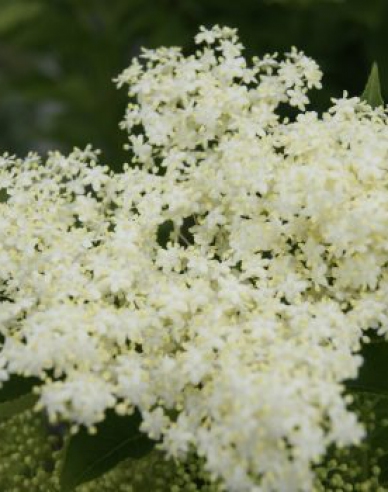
(223, 282)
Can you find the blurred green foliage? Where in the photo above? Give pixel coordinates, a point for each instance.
(57, 57)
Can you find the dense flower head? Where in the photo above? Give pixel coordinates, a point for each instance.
(223, 282)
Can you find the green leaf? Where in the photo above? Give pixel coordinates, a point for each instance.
(372, 92)
(90, 456)
(10, 408)
(373, 375)
(17, 386)
(164, 232)
(3, 195)
(16, 14)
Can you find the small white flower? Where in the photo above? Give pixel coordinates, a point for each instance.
(222, 283)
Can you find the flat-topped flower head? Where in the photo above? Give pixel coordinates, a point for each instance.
(222, 282)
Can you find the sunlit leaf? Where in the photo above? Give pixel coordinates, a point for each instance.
(16, 387)
(11, 408)
(16, 13)
(90, 456)
(372, 92)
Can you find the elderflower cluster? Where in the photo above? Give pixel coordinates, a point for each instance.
(223, 281)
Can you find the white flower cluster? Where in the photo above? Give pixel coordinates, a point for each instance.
(223, 282)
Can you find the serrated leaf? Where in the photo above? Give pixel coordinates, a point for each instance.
(89, 456)
(11, 408)
(372, 92)
(17, 386)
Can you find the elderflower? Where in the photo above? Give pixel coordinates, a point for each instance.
(223, 282)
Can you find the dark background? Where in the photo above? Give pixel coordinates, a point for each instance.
(57, 57)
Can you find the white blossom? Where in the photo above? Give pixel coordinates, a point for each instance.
(223, 281)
